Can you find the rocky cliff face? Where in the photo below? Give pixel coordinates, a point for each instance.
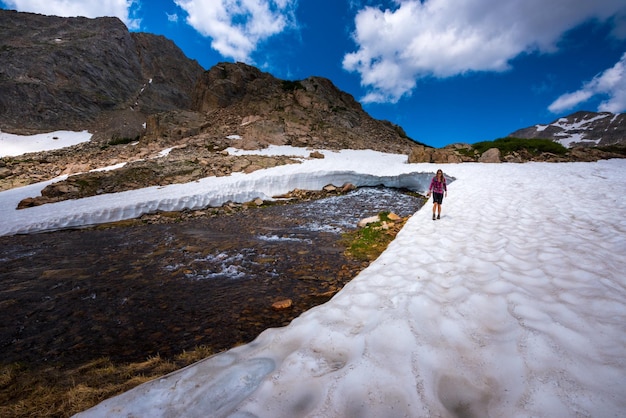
(581, 129)
(78, 73)
(238, 105)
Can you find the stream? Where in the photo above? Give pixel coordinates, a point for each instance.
(130, 292)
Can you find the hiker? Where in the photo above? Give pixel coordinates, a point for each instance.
(438, 188)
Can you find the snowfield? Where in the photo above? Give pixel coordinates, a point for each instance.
(512, 305)
(13, 145)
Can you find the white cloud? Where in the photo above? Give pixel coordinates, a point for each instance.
(172, 17)
(238, 26)
(444, 38)
(87, 8)
(611, 83)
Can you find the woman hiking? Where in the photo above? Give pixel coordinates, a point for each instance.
(438, 188)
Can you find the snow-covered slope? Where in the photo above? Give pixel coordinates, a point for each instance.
(12, 145)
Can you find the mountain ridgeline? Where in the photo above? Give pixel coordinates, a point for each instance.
(79, 73)
(581, 129)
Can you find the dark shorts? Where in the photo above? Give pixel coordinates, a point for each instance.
(437, 198)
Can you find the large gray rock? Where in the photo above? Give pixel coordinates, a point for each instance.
(492, 155)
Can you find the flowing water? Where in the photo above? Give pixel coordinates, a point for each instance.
(68, 297)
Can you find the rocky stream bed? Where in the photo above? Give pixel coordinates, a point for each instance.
(171, 282)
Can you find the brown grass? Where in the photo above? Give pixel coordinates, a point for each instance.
(55, 391)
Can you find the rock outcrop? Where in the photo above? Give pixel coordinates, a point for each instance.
(236, 104)
(492, 155)
(422, 154)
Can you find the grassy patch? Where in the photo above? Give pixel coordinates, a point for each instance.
(367, 243)
(534, 146)
(58, 392)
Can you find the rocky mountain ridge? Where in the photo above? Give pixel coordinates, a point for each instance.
(581, 129)
(235, 104)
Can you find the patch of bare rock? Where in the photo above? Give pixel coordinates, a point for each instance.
(182, 165)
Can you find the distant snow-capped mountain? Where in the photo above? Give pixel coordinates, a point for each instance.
(581, 128)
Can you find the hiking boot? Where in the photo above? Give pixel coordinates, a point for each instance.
(433, 216)
(438, 217)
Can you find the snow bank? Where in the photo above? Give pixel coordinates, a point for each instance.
(361, 168)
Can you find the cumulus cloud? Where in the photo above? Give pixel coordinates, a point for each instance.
(611, 83)
(238, 26)
(445, 38)
(87, 8)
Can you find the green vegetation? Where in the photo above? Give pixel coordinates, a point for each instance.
(468, 152)
(534, 146)
(367, 243)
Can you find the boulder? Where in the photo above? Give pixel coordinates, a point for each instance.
(422, 154)
(393, 217)
(419, 154)
(365, 221)
(282, 304)
(492, 155)
(347, 187)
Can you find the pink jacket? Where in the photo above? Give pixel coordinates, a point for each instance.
(437, 186)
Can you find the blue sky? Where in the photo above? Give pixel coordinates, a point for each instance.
(445, 70)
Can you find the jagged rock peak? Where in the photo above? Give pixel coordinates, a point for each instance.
(239, 100)
(581, 129)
